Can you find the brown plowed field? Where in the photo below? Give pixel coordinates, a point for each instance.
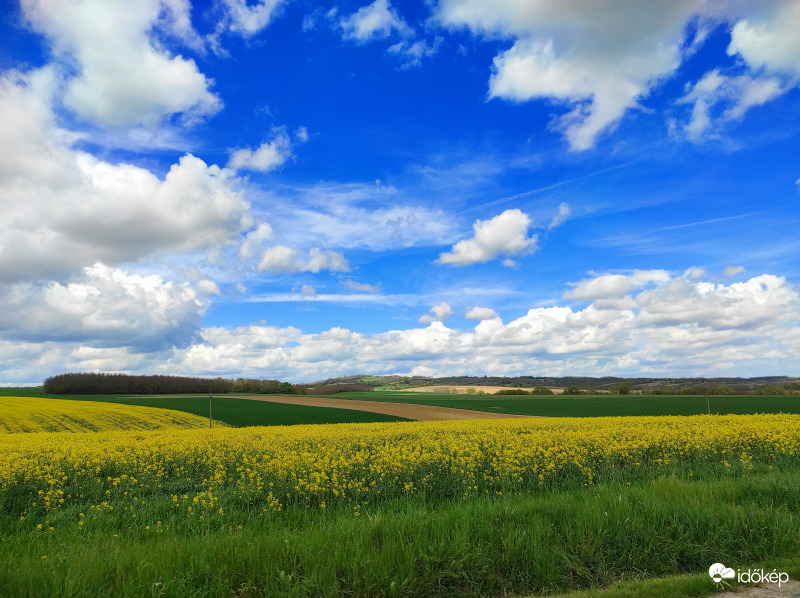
(406, 410)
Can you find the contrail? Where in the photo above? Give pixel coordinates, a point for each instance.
(548, 187)
(714, 220)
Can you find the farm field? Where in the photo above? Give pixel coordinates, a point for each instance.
(592, 406)
(33, 414)
(484, 508)
(233, 412)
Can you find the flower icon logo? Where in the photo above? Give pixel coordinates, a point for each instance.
(720, 572)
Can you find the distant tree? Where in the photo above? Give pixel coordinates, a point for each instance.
(772, 390)
(541, 390)
(623, 388)
(723, 389)
(572, 390)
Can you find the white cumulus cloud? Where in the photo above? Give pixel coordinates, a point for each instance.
(481, 313)
(503, 235)
(678, 327)
(107, 307)
(768, 39)
(438, 313)
(123, 79)
(270, 155)
(611, 286)
(599, 60)
(64, 209)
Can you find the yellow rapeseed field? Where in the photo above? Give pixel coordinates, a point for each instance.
(202, 473)
(32, 414)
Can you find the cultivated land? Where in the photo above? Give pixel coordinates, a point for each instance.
(231, 411)
(514, 506)
(483, 508)
(405, 410)
(591, 406)
(33, 414)
(267, 412)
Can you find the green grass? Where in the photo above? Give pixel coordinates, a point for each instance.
(591, 406)
(235, 412)
(639, 536)
(678, 586)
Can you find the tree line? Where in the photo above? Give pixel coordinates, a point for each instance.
(94, 383)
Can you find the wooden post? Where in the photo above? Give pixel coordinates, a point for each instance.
(210, 418)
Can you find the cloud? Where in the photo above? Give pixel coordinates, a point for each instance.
(249, 19)
(695, 273)
(438, 313)
(769, 40)
(308, 291)
(65, 210)
(680, 327)
(564, 212)
(413, 52)
(124, 78)
(718, 99)
(283, 259)
(252, 242)
(708, 326)
(358, 215)
(767, 43)
(598, 60)
(361, 286)
(268, 156)
(481, 313)
(374, 21)
(107, 307)
(610, 286)
(761, 301)
(505, 234)
(732, 270)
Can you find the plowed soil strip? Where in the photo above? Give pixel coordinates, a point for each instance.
(406, 410)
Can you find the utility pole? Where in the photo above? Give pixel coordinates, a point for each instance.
(708, 405)
(210, 418)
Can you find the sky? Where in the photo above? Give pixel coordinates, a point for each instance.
(299, 190)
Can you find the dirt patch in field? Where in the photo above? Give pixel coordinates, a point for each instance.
(406, 410)
(463, 389)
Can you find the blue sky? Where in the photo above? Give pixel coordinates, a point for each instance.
(297, 190)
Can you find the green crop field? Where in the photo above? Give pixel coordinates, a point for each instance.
(590, 406)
